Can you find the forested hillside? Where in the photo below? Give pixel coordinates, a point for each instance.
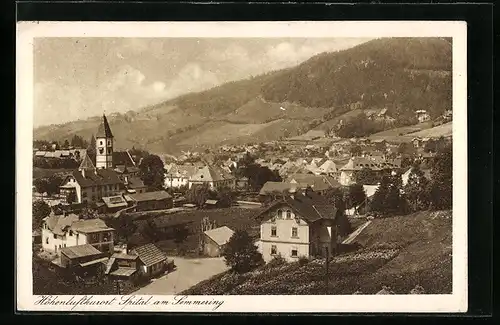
(400, 74)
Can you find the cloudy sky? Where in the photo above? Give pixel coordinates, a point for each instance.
(75, 78)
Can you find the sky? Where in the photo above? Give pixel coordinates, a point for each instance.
(76, 78)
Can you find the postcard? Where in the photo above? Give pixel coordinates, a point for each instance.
(242, 166)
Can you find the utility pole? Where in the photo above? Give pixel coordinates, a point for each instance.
(327, 261)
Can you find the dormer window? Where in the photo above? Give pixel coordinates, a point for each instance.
(288, 214)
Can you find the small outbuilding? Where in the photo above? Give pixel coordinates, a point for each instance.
(215, 240)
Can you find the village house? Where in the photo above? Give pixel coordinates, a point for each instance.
(318, 183)
(158, 200)
(215, 240)
(125, 172)
(152, 260)
(212, 176)
(328, 168)
(82, 257)
(59, 231)
(376, 164)
(89, 184)
(145, 261)
(114, 203)
(301, 223)
(276, 189)
(178, 176)
(406, 175)
(123, 267)
(422, 115)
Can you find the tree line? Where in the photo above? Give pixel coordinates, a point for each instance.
(419, 193)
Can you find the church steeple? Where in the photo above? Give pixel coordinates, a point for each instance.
(104, 131)
(104, 145)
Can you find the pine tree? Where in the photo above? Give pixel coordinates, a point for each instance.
(416, 190)
(441, 185)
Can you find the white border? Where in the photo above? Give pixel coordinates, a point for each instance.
(456, 302)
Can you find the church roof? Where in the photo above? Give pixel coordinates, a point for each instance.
(104, 131)
(86, 163)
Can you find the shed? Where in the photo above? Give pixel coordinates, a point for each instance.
(215, 240)
(152, 200)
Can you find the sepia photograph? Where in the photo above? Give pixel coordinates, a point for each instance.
(220, 165)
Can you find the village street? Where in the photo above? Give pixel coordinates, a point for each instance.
(188, 273)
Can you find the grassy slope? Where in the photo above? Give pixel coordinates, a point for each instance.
(400, 252)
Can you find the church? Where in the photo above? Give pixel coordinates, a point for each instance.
(112, 174)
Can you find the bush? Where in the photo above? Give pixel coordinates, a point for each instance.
(241, 254)
(303, 260)
(276, 261)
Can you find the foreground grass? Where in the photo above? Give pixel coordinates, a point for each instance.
(399, 252)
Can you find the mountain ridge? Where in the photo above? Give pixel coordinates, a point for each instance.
(402, 75)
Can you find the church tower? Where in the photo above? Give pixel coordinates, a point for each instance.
(104, 145)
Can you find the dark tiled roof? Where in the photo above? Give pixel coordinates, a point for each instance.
(278, 187)
(310, 206)
(122, 158)
(80, 251)
(90, 225)
(104, 131)
(100, 177)
(317, 182)
(211, 174)
(58, 223)
(150, 196)
(135, 182)
(150, 254)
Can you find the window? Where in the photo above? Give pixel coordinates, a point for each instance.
(109, 143)
(47, 240)
(295, 232)
(55, 236)
(289, 214)
(273, 231)
(295, 252)
(84, 194)
(64, 245)
(71, 233)
(100, 142)
(274, 250)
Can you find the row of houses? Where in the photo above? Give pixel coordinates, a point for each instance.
(187, 175)
(88, 246)
(76, 154)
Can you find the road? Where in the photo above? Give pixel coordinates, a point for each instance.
(188, 273)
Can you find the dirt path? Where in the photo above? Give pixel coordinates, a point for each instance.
(188, 273)
(356, 232)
